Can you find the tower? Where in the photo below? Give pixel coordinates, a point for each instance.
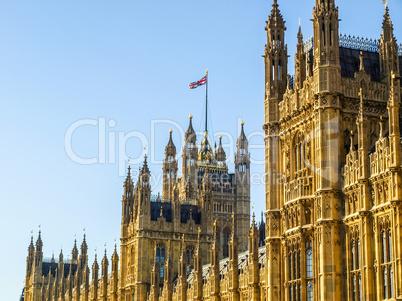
(190, 155)
(275, 59)
(169, 170)
(242, 175)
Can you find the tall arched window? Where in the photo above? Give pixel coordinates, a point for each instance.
(160, 257)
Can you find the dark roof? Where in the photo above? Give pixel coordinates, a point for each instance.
(156, 211)
(350, 62)
(217, 176)
(185, 214)
(46, 266)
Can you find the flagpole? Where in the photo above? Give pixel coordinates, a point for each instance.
(206, 104)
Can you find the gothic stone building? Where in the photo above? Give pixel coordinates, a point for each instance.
(333, 192)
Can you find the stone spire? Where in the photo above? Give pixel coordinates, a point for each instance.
(300, 61)
(169, 169)
(389, 60)
(74, 252)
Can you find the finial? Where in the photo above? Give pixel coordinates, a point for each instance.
(170, 131)
(206, 71)
(190, 116)
(299, 22)
(242, 122)
(385, 2)
(220, 137)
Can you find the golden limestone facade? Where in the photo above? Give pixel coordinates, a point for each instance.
(333, 193)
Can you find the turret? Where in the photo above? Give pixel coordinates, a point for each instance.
(70, 282)
(155, 280)
(85, 283)
(233, 263)
(254, 272)
(220, 154)
(84, 253)
(30, 260)
(206, 199)
(95, 277)
(389, 60)
(167, 285)
(215, 273)
(104, 278)
(197, 282)
(114, 280)
(38, 252)
(144, 189)
(60, 269)
(327, 68)
(169, 169)
(182, 277)
(74, 252)
(242, 159)
(276, 63)
(394, 131)
(190, 151)
(363, 132)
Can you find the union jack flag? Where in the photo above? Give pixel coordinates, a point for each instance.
(198, 83)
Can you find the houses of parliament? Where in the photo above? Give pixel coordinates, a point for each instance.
(333, 218)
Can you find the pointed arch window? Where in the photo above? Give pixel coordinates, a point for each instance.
(309, 259)
(387, 261)
(160, 258)
(294, 279)
(299, 154)
(354, 264)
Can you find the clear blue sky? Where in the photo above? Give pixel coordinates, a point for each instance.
(129, 62)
